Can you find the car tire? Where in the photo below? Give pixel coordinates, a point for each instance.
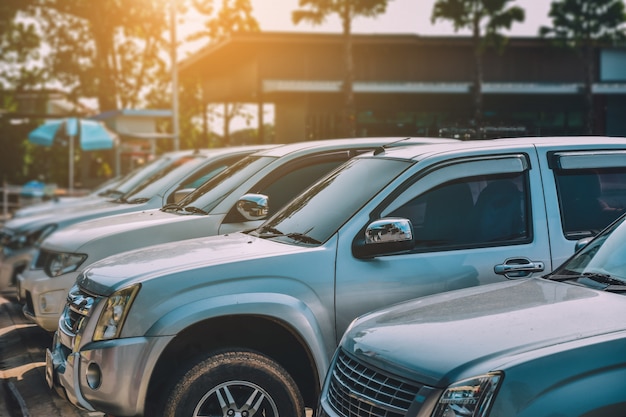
(235, 383)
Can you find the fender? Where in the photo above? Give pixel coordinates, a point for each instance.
(287, 309)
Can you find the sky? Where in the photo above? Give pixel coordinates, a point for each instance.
(401, 17)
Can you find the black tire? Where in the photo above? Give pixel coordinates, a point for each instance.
(225, 383)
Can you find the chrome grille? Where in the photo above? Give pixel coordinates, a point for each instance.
(78, 308)
(357, 390)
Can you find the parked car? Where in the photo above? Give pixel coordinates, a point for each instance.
(109, 190)
(255, 316)
(214, 208)
(177, 173)
(538, 347)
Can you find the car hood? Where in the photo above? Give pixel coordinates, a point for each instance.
(164, 260)
(73, 215)
(60, 203)
(134, 225)
(457, 334)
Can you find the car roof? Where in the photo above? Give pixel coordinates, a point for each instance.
(354, 143)
(423, 151)
(212, 152)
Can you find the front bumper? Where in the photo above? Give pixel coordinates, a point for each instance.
(43, 297)
(110, 376)
(13, 264)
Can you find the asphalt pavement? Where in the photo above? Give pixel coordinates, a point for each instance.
(23, 389)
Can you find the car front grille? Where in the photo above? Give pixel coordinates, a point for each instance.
(78, 308)
(356, 389)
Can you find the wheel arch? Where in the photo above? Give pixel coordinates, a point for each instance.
(269, 335)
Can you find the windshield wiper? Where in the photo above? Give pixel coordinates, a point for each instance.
(138, 200)
(606, 281)
(602, 278)
(171, 206)
(196, 210)
(268, 231)
(304, 238)
(110, 193)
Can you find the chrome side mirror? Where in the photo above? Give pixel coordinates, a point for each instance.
(385, 236)
(388, 230)
(582, 243)
(253, 206)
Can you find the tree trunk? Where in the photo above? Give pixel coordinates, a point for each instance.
(227, 116)
(477, 87)
(349, 116)
(588, 89)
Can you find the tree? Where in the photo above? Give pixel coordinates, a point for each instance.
(107, 49)
(233, 16)
(19, 43)
(316, 12)
(485, 19)
(584, 25)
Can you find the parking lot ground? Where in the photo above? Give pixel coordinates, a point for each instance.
(24, 392)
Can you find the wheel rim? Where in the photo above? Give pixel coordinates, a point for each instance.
(236, 399)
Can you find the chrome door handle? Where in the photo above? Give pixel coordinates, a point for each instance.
(519, 267)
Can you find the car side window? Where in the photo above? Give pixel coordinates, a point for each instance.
(590, 199)
(285, 184)
(205, 174)
(470, 212)
(285, 187)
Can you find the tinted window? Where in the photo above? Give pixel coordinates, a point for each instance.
(473, 211)
(590, 199)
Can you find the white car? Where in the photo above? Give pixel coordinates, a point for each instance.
(178, 172)
(277, 175)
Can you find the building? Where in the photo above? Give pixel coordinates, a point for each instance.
(409, 84)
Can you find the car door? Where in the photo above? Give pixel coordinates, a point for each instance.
(475, 221)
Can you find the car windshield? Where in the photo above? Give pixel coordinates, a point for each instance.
(152, 185)
(212, 192)
(601, 263)
(136, 176)
(314, 216)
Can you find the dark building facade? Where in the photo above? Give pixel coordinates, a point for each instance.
(410, 85)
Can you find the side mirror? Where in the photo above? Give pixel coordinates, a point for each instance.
(253, 206)
(385, 236)
(180, 194)
(582, 243)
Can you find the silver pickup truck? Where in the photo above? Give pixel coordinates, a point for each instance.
(541, 347)
(247, 323)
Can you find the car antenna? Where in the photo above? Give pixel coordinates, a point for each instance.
(381, 149)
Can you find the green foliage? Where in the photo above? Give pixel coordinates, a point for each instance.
(576, 23)
(316, 11)
(109, 49)
(582, 24)
(485, 19)
(232, 17)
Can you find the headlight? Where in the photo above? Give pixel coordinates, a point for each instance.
(469, 398)
(114, 313)
(63, 263)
